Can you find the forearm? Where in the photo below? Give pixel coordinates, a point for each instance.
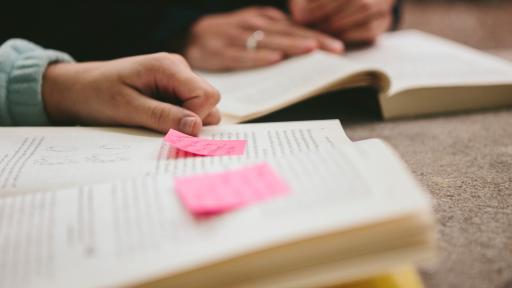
(397, 14)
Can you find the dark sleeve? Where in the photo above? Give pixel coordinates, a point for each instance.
(397, 14)
(88, 30)
(171, 33)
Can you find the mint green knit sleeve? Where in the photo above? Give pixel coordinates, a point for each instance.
(22, 65)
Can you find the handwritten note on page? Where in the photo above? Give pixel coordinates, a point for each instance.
(205, 147)
(220, 192)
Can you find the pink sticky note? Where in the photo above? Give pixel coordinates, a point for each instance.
(205, 147)
(220, 192)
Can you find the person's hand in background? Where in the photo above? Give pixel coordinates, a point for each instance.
(352, 21)
(156, 91)
(219, 41)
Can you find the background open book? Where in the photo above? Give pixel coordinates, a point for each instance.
(415, 74)
(353, 211)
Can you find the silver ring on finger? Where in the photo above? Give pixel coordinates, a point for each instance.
(252, 41)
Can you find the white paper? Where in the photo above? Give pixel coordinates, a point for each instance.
(413, 59)
(256, 90)
(33, 159)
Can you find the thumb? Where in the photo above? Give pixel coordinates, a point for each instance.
(171, 75)
(161, 116)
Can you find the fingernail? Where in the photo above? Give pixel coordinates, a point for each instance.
(187, 124)
(335, 45)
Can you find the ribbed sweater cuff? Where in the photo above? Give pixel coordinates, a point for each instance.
(24, 86)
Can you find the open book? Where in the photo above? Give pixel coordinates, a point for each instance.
(99, 209)
(414, 72)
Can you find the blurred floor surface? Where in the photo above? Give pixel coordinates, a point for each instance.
(464, 160)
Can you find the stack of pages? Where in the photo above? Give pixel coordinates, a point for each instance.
(87, 207)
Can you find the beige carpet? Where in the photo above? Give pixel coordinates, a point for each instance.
(484, 24)
(464, 160)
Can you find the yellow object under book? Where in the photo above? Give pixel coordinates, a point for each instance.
(407, 277)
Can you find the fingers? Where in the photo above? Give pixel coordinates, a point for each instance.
(159, 116)
(213, 118)
(330, 44)
(356, 13)
(299, 35)
(284, 36)
(171, 76)
(237, 57)
(218, 42)
(289, 45)
(232, 58)
(197, 95)
(240, 58)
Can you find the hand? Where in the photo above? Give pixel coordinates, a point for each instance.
(348, 20)
(218, 42)
(135, 91)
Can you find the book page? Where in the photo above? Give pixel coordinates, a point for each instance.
(414, 59)
(252, 91)
(134, 230)
(47, 158)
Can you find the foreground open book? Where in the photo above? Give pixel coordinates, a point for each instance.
(77, 211)
(414, 72)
